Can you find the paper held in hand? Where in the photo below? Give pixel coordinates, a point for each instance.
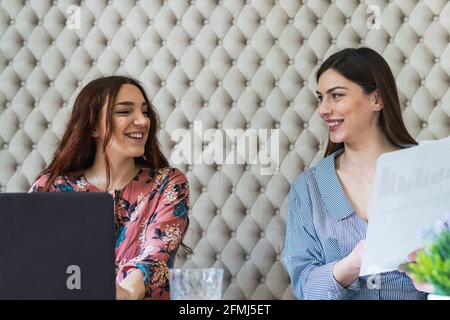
(411, 194)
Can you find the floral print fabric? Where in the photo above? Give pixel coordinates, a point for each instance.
(151, 214)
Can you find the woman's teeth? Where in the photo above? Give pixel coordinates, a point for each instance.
(135, 135)
(335, 124)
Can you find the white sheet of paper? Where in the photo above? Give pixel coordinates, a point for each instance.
(411, 194)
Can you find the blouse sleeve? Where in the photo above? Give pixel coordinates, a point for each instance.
(311, 277)
(163, 234)
(39, 184)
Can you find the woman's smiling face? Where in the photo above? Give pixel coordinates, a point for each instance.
(345, 108)
(130, 124)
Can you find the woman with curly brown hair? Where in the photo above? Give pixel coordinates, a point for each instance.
(110, 145)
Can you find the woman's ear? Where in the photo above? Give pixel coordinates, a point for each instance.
(377, 101)
(95, 133)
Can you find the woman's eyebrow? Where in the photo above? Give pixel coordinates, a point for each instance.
(129, 103)
(332, 89)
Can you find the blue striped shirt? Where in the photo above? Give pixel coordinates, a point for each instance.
(323, 228)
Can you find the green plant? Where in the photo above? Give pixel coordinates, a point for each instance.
(433, 263)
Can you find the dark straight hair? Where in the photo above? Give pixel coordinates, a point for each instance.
(77, 149)
(369, 70)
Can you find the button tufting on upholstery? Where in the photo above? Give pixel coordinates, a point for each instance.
(291, 21)
(218, 256)
(247, 211)
(205, 21)
(247, 257)
(11, 21)
(277, 212)
(405, 19)
(247, 168)
(277, 125)
(306, 125)
(436, 19)
(163, 83)
(33, 146)
(203, 234)
(189, 168)
(437, 60)
(22, 83)
(5, 146)
(233, 279)
(49, 125)
(262, 190)
(204, 189)
(7, 104)
(218, 211)
(291, 147)
(262, 234)
(406, 61)
(191, 125)
(319, 21)
(421, 39)
(348, 20)
(424, 125)
(262, 280)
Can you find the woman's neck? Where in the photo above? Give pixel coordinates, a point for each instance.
(361, 156)
(121, 173)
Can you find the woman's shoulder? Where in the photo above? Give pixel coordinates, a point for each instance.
(320, 172)
(161, 175)
(62, 183)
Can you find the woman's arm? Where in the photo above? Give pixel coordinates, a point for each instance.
(163, 230)
(346, 271)
(311, 276)
(132, 288)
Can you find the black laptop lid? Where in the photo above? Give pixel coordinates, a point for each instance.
(57, 246)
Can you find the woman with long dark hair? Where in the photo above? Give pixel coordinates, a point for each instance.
(327, 219)
(110, 145)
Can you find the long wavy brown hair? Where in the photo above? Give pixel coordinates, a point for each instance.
(369, 70)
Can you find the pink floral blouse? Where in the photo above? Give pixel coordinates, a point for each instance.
(151, 219)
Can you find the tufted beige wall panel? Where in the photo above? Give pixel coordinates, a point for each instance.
(230, 64)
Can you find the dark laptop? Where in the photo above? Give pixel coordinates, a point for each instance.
(57, 246)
